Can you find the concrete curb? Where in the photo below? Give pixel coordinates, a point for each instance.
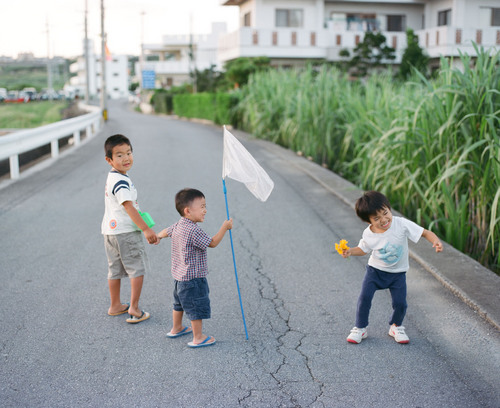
(471, 282)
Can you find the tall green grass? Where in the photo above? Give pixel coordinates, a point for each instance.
(432, 146)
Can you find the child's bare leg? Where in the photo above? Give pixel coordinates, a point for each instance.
(135, 294)
(197, 326)
(177, 321)
(114, 294)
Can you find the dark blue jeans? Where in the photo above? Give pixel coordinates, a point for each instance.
(375, 279)
(191, 297)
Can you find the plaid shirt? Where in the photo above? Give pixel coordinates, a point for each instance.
(189, 250)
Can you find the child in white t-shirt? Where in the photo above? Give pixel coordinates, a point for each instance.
(387, 239)
(121, 226)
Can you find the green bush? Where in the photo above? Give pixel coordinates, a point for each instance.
(219, 107)
(162, 101)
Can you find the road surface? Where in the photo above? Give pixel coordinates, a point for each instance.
(59, 348)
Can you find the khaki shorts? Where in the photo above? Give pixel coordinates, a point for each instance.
(126, 255)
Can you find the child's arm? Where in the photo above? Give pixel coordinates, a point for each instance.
(163, 234)
(150, 235)
(217, 238)
(433, 239)
(356, 251)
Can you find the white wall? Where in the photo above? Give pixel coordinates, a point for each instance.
(267, 12)
(476, 13)
(431, 12)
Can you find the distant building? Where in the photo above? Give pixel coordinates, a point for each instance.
(117, 78)
(178, 56)
(292, 32)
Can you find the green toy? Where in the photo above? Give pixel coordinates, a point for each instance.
(147, 219)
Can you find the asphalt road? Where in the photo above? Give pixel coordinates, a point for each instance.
(59, 348)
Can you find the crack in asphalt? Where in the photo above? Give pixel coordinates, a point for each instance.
(269, 291)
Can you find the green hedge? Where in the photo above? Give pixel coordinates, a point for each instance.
(162, 101)
(217, 107)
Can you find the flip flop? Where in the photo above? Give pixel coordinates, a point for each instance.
(122, 312)
(185, 330)
(204, 343)
(135, 319)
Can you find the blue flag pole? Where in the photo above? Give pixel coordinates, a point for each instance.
(234, 261)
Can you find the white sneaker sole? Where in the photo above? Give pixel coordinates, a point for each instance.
(401, 341)
(364, 336)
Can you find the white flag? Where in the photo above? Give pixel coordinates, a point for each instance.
(240, 165)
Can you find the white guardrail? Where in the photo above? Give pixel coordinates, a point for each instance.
(14, 144)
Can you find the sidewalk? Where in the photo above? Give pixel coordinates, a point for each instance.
(474, 284)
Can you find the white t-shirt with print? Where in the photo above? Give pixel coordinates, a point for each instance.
(119, 188)
(389, 249)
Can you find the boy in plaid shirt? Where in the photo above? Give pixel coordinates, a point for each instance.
(189, 265)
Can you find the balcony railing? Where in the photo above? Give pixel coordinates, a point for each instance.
(327, 42)
(450, 41)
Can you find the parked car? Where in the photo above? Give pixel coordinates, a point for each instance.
(16, 97)
(30, 93)
(46, 95)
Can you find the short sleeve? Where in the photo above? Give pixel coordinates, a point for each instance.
(362, 245)
(414, 231)
(170, 230)
(121, 190)
(200, 238)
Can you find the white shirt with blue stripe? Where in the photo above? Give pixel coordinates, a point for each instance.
(119, 188)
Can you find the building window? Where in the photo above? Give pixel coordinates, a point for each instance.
(396, 23)
(444, 18)
(362, 22)
(289, 18)
(246, 20)
(495, 17)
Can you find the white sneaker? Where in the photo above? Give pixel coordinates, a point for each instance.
(357, 335)
(398, 332)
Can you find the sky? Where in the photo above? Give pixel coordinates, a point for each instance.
(23, 26)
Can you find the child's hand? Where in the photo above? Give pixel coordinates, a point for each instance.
(151, 236)
(162, 234)
(228, 224)
(438, 245)
(433, 239)
(346, 253)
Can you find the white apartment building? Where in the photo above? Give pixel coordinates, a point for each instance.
(293, 31)
(117, 76)
(179, 55)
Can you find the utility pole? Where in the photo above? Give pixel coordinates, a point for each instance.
(141, 58)
(86, 51)
(49, 68)
(104, 104)
(192, 57)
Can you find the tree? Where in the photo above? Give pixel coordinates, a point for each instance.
(239, 70)
(210, 80)
(413, 57)
(371, 53)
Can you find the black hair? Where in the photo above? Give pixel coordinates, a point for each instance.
(185, 197)
(370, 203)
(113, 141)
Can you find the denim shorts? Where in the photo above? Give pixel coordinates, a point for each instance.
(191, 297)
